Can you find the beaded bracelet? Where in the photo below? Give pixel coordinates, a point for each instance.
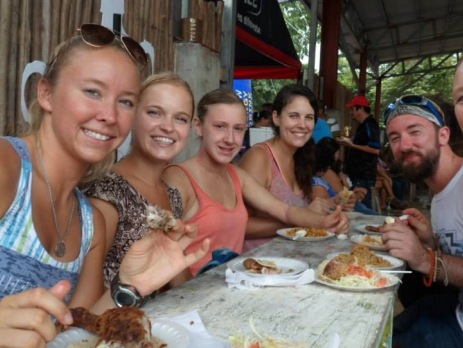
(427, 280)
(436, 270)
(441, 267)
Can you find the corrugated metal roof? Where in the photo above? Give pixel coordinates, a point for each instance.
(392, 31)
(397, 30)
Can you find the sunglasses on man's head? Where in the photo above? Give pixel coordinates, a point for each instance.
(99, 36)
(416, 100)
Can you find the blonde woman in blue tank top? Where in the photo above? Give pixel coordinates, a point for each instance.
(51, 240)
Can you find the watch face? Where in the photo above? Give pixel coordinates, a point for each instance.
(126, 296)
(125, 299)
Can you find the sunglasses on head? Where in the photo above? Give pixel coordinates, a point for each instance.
(416, 100)
(99, 36)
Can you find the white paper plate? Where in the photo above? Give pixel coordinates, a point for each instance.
(282, 232)
(359, 239)
(395, 263)
(175, 335)
(393, 282)
(362, 228)
(287, 265)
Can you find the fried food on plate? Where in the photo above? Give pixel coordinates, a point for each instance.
(260, 266)
(350, 275)
(361, 255)
(126, 327)
(312, 232)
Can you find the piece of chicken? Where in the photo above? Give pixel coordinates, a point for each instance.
(335, 270)
(117, 327)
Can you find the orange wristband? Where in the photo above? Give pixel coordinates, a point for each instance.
(427, 280)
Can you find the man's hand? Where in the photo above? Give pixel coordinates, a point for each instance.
(402, 242)
(422, 227)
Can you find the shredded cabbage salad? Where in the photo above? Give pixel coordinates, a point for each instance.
(361, 277)
(258, 341)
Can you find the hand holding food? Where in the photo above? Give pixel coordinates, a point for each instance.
(159, 219)
(336, 222)
(25, 318)
(152, 260)
(345, 195)
(402, 242)
(421, 225)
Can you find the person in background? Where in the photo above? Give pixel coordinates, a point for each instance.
(363, 150)
(213, 191)
(322, 128)
(160, 132)
(384, 185)
(264, 119)
(329, 180)
(52, 241)
(419, 140)
(284, 164)
(400, 185)
(266, 107)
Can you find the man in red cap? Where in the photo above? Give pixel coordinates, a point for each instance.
(363, 150)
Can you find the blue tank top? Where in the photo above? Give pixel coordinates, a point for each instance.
(319, 181)
(24, 262)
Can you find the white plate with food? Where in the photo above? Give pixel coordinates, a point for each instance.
(305, 234)
(372, 242)
(372, 228)
(163, 332)
(267, 266)
(376, 262)
(353, 278)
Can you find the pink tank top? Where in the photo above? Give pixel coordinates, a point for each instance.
(225, 227)
(281, 190)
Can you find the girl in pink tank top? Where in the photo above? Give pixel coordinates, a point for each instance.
(213, 191)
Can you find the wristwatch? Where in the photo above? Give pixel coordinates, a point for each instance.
(125, 295)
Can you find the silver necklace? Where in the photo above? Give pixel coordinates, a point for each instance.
(60, 248)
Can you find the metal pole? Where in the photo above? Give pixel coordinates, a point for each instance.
(312, 45)
(227, 55)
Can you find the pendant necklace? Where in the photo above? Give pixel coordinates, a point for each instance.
(60, 249)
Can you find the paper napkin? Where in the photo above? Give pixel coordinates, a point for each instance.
(199, 337)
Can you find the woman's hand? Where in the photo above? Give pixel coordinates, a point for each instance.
(336, 222)
(320, 205)
(25, 317)
(348, 205)
(158, 257)
(360, 193)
